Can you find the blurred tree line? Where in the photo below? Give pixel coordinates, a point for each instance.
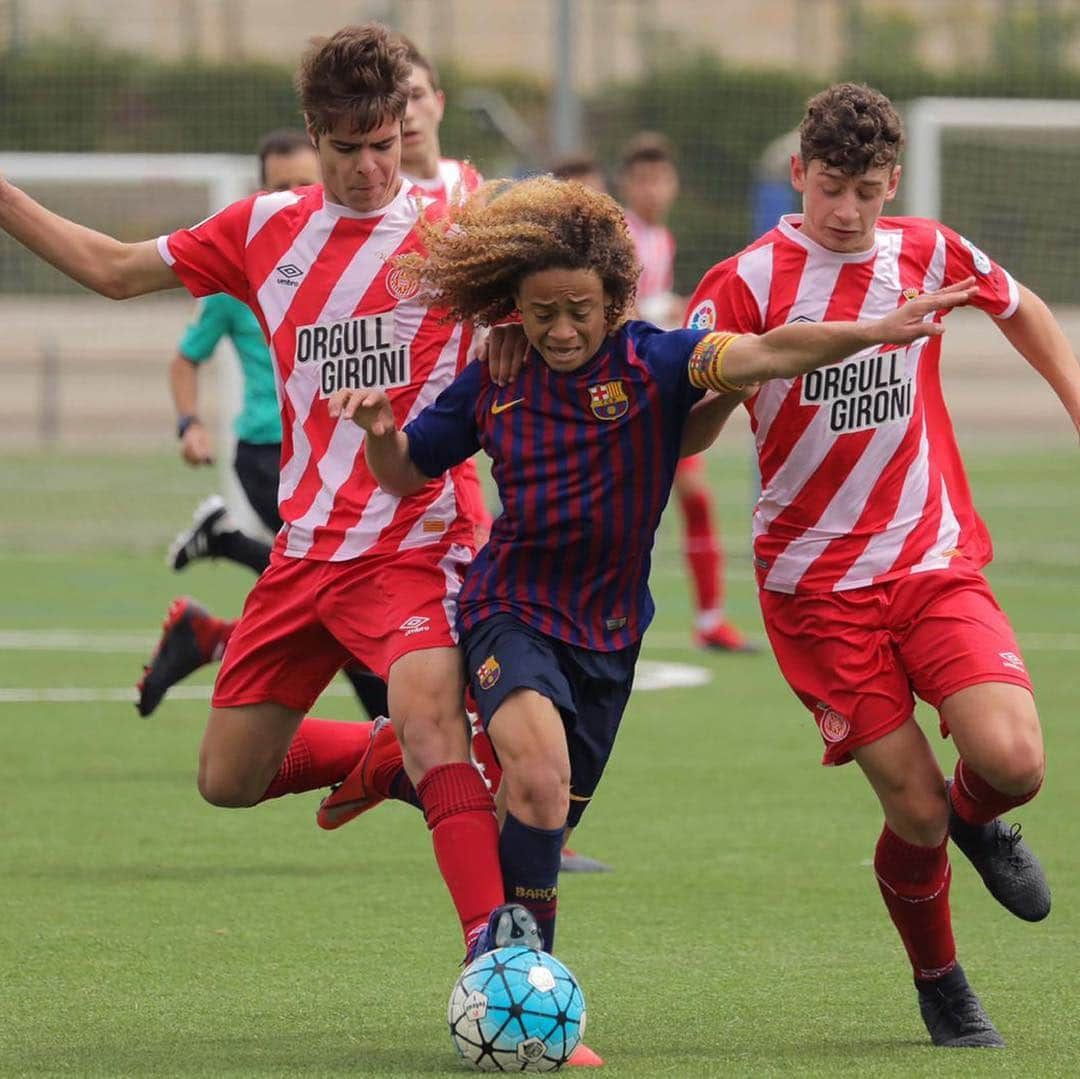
(85, 97)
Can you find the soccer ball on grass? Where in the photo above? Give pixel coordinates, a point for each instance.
(515, 1009)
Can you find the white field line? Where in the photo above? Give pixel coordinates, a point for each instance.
(121, 643)
(649, 676)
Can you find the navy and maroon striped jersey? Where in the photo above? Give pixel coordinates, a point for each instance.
(584, 463)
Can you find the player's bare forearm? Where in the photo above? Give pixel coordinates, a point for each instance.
(793, 350)
(386, 448)
(196, 446)
(707, 419)
(390, 463)
(100, 262)
(1038, 337)
(184, 384)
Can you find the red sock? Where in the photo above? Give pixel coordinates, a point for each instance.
(703, 551)
(461, 815)
(212, 634)
(484, 754)
(976, 801)
(322, 753)
(914, 883)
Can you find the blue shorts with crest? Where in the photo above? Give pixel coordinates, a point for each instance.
(590, 689)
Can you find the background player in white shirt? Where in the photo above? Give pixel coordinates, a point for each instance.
(867, 547)
(421, 156)
(649, 185)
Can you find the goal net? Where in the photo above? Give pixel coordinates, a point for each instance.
(1001, 171)
(81, 371)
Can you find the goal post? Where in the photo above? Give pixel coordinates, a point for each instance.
(218, 179)
(1001, 171)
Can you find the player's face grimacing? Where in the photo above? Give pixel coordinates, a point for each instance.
(286, 172)
(840, 211)
(562, 314)
(423, 114)
(360, 168)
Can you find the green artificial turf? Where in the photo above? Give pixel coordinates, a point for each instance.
(144, 932)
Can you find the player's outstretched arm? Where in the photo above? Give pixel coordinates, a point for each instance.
(789, 351)
(106, 265)
(386, 448)
(1037, 336)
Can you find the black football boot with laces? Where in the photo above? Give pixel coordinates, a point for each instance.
(1007, 865)
(953, 1015)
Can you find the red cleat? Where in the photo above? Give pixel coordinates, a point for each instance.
(724, 638)
(190, 638)
(584, 1057)
(353, 795)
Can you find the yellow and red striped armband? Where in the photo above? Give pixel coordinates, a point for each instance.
(706, 364)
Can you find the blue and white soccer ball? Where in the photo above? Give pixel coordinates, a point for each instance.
(515, 1010)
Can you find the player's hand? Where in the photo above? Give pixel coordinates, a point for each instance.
(196, 446)
(504, 350)
(369, 409)
(906, 323)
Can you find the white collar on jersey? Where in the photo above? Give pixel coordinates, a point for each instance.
(789, 226)
(336, 209)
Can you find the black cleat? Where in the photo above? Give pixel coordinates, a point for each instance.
(198, 540)
(573, 862)
(953, 1015)
(177, 654)
(508, 926)
(1009, 869)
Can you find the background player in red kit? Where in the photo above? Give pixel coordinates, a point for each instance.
(867, 547)
(649, 185)
(355, 573)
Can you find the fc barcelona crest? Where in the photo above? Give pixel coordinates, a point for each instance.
(487, 674)
(608, 400)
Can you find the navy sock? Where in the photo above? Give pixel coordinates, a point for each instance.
(402, 790)
(530, 864)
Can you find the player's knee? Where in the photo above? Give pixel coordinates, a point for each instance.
(1020, 771)
(540, 796)
(920, 816)
(228, 791)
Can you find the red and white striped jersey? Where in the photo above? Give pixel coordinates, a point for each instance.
(337, 314)
(455, 178)
(655, 248)
(861, 478)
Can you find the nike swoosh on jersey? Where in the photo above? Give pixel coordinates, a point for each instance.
(497, 408)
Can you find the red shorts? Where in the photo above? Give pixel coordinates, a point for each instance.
(857, 658)
(304, 620)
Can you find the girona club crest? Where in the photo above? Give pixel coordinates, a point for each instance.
(487, 674)
(834, 727)
(608, 400)
(401, 285)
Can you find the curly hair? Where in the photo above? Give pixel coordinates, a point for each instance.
(851, 127)
(360, 72)
(481, 249)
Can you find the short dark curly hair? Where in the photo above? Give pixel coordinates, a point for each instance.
(480, 250)
(851, 127)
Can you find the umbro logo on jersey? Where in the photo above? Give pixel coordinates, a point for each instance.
(288, 273)
(497, 407)
(417, 624)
